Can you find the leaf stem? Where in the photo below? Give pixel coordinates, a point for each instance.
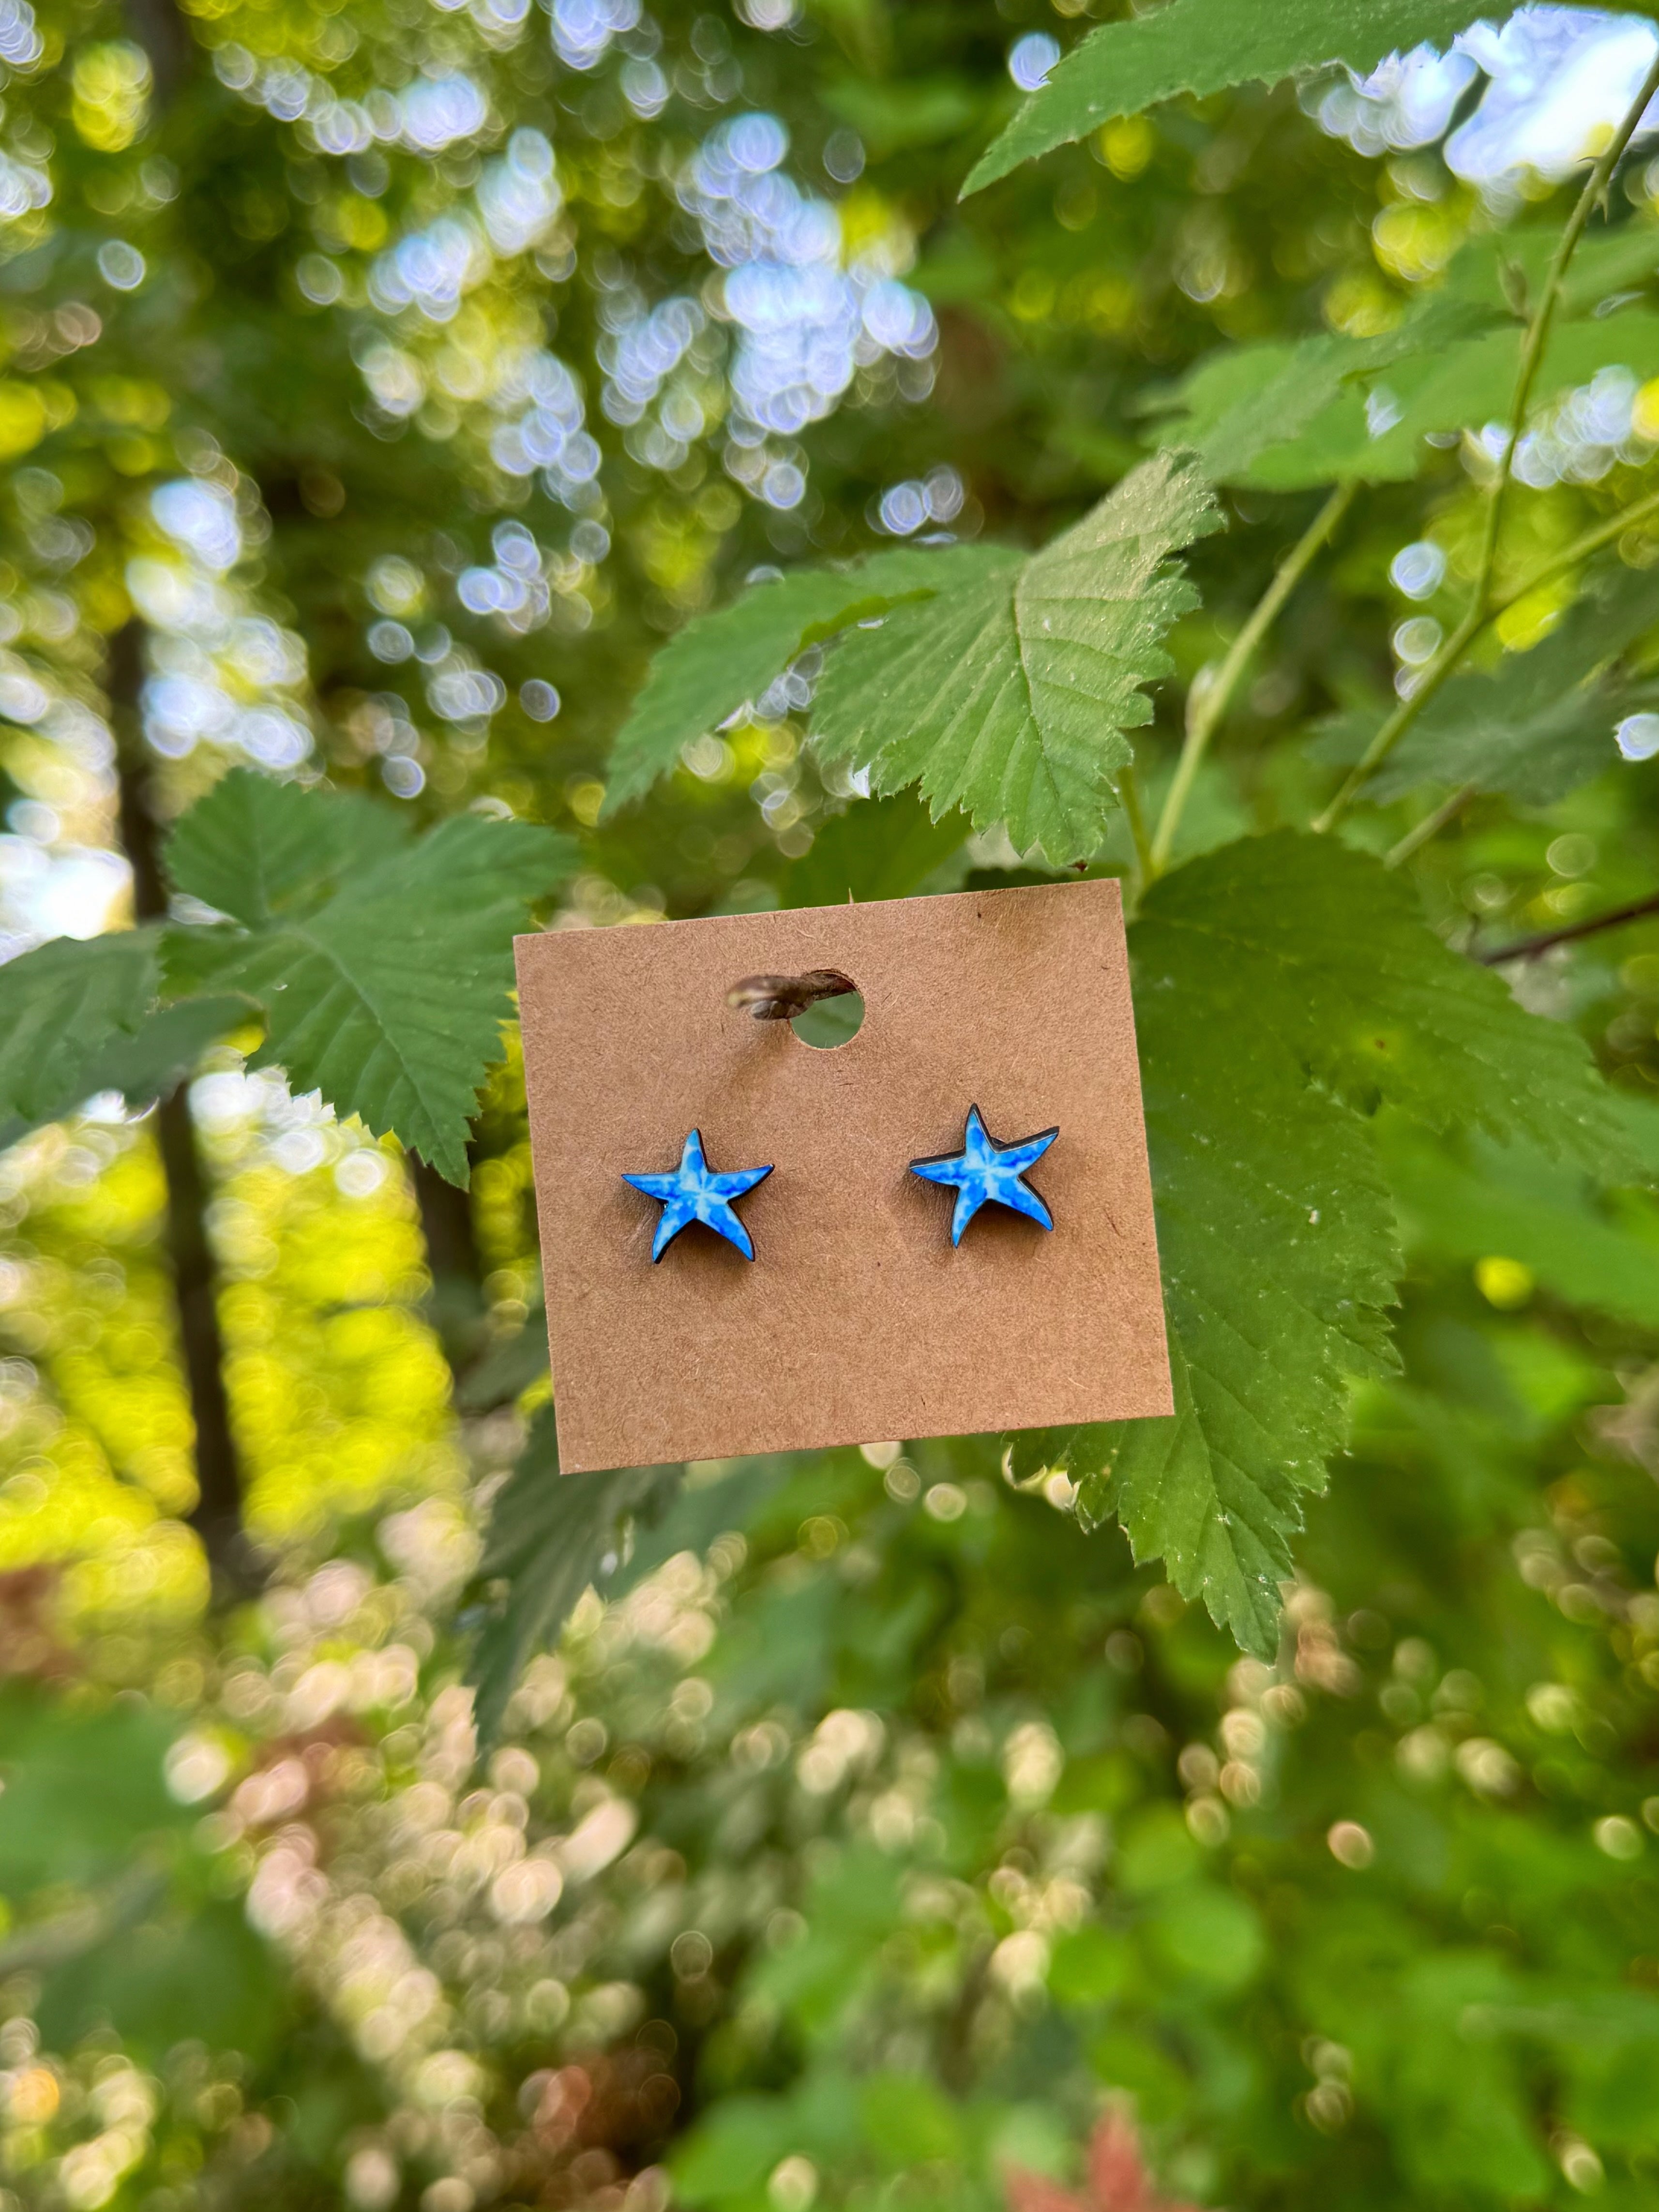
(1484, 605)
(1445, 661)
(1430, 826)
(1128, 793)
(1543, 321)
(1207, 707)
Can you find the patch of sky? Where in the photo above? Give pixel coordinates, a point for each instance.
(582, 30)
(432, 268)
(1031, 58)
(23, 188)
(518, 195)
(1558, 79)
(904, 509)
(805, 320)
(220, 672)
(20, 43)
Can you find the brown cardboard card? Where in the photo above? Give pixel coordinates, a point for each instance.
(856, 1320)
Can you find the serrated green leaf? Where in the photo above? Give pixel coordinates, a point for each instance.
(389, 996)
(1466, 385)
(1008, 694)
(1325, 410)
(548, 1535)
(1203, 47)
(1277, 1245)
(721, 662)
(166, 1045)
(1242, 401)
(255, 849)
(879, 848)
(1282, 985)
(1323, 949)
(61, 1007)
(1537, 726)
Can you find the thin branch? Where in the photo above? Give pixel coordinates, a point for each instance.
(1485, 606)
(1445, 662)
(1543, 321)
(1530, 947)
(1207, 707)
(1430, 826)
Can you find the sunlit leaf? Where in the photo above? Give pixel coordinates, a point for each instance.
(1203, 47)
(1008, 694)
(62, 1007)
(255, 849)
(1286, 417)
(721, 662)
(1283, 985)
(388, 995)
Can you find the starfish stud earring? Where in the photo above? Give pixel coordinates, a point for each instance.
(985, 1173)
(694, 1193)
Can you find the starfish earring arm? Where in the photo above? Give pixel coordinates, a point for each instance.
(985, 1173)
(695, 1193)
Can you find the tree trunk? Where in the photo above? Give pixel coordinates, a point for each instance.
(216, 1516)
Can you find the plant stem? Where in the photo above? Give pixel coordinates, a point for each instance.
(1207, 707)
(1128, 793)
(1430, 826)
(1445, 661)
(1543, 321)
(1530, 947)
(216, 1515)
(1485, 606)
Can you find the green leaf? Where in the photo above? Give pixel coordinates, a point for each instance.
(881, 848)
(81, 1789)
(161, 1978)
(1283, 984)
(1279, 1256)
(1242, 401)
(1537, 726)
(1203, 47)
(1468, 1202)
(907, 2123)
(1008, 694)
(255, 849)
(721, 662)
(1221, 1524)
(168, 1046)
(62, 1007)
(1326, 951)
(548, 1534)
(1463, 386)
(388, 995)
(1290, 418)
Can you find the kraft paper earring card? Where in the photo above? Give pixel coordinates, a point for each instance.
(857, 1320)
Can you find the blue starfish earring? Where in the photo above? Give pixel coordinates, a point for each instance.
(694, 1193)
(985, 1173)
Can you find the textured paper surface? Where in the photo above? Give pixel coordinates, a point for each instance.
(856, 1321)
